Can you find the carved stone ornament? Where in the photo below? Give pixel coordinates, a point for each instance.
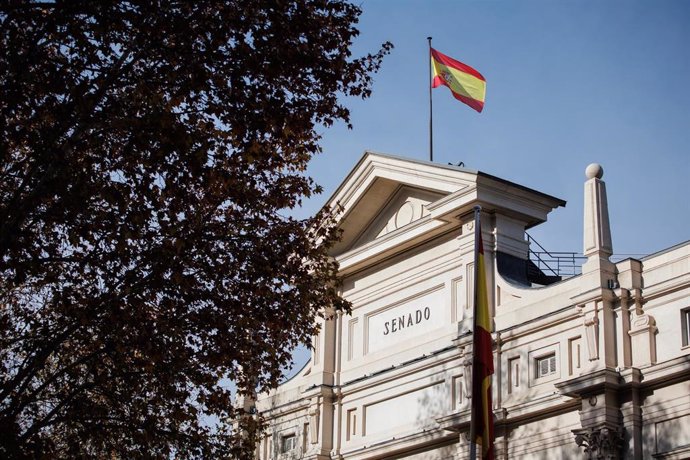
(467, 376)
(592, 335)
(641, 321)
(408, 212)
(314, 414)
(601, 443)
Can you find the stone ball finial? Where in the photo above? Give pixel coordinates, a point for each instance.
(594, 170)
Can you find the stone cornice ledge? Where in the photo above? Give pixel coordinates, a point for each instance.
(387, 447)
(665, 372)
(534, 410)
(592, 382)
(390, 244)
(660, 374)
(593, 294)
(681, 452)
(287, 408)
(667, 287)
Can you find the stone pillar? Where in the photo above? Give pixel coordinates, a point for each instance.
(600, 443)
(601, 435)
(321, 417)
(642, 334)
(631, 410)
(244, 423)
(324, 351)
(622, 336)
(597, 230)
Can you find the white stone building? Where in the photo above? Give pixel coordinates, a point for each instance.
(596, 365)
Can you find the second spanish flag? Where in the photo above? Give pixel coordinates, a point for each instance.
(466, 84)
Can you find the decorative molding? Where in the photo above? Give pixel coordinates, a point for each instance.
(675, 454)
(603, 443)
(314, 416)
(642, 322)
(407, 212)
(467, 376)
(592, 334)
(642, 333)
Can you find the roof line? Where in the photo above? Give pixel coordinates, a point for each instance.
(662, 251)
(367, 153)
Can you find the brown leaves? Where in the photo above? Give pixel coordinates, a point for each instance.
(147, 154)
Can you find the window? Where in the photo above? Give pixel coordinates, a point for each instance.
(685, 326)
(546, 365)
(288, 442)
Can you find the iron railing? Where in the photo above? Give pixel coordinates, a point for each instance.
(555, 263)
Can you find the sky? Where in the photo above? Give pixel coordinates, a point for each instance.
(569, 83)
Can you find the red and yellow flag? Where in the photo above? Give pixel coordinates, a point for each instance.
(482, 421)
(466, 84)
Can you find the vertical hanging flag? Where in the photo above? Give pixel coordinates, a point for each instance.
(482, 418)
(467, 85)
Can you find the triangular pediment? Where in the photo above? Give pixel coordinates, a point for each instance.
(384, 194)
(388, 204)
(406, 206)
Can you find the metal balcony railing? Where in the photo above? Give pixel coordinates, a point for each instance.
(554, 263)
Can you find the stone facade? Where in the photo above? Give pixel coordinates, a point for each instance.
(593, 366)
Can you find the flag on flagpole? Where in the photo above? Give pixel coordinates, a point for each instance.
(466, 84)
(482, 419)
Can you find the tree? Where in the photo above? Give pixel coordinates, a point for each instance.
(150, 151)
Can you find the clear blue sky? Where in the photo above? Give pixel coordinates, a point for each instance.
(568, 83)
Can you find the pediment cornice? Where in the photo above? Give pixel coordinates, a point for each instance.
(388, 204)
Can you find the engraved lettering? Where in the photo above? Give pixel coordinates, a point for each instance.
(407, 320)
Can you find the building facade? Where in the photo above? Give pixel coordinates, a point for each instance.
(592, 366)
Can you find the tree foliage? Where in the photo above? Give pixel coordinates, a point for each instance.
(149, 152)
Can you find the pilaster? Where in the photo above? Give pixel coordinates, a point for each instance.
(324, 353)
(602, 433)
(597, 229)
(321, 419)
(642, 334)
(597, 387)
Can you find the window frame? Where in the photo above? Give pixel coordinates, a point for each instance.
(292, 436)
(536, 356)
(551, 367)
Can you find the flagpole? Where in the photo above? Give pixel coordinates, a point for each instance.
(477, 236)
(431, 113)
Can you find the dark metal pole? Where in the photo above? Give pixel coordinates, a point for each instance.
(431, 112)
(473, 421)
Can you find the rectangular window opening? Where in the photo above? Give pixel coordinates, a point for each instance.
(546, 365)
(288, 443)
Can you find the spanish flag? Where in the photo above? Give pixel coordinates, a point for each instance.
(466, 84)
(482, 417)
